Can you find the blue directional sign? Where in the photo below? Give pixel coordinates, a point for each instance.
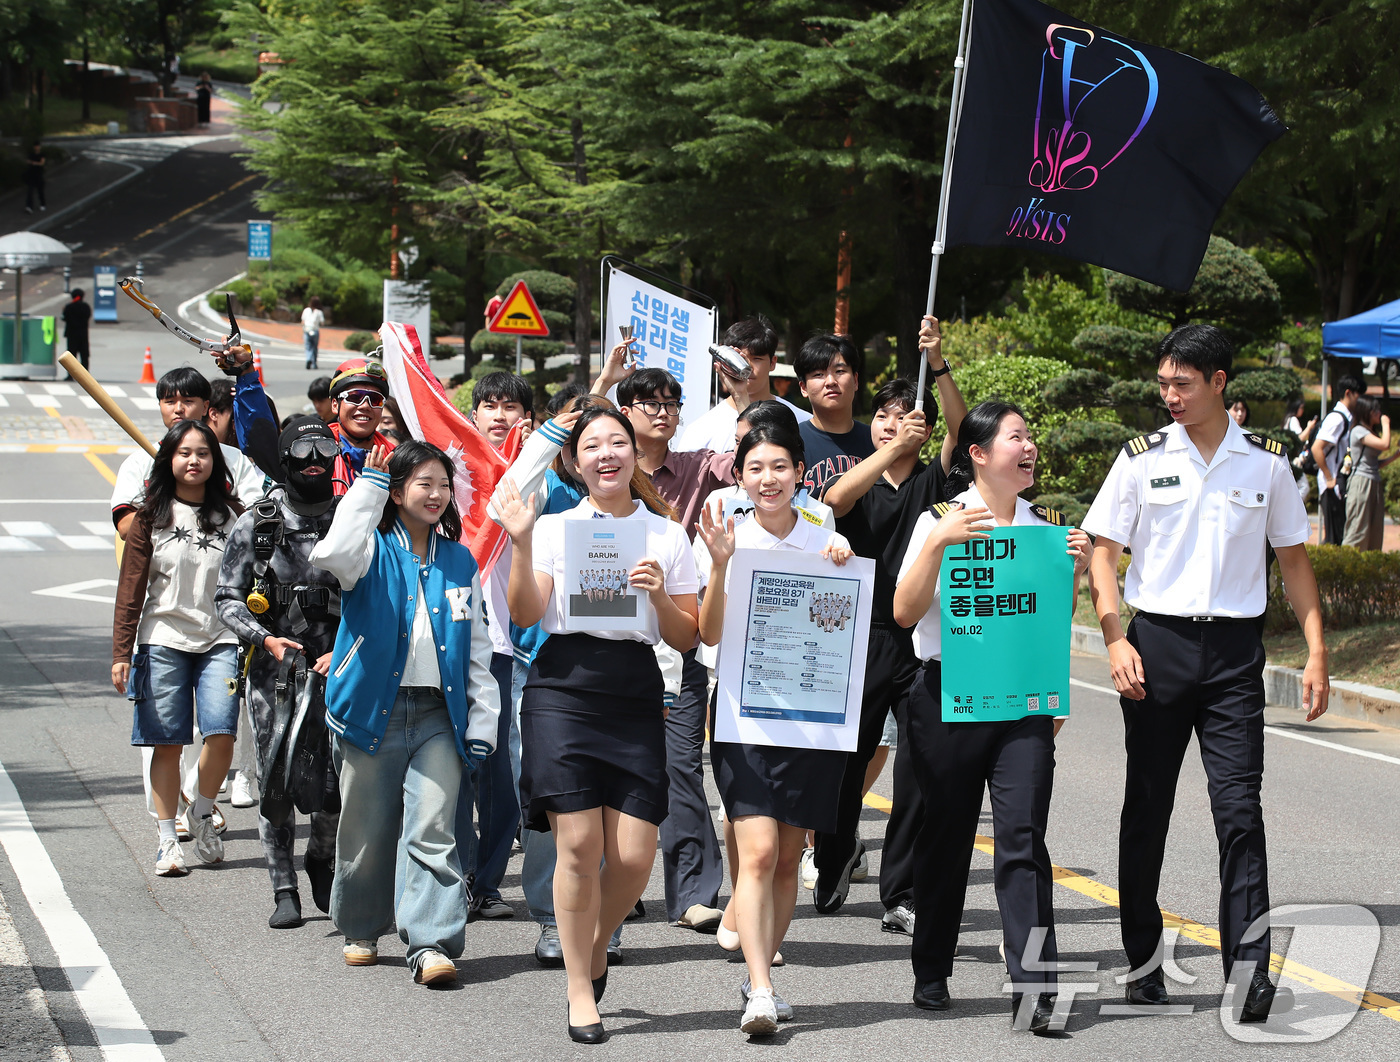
(259, 241)
(104, 293)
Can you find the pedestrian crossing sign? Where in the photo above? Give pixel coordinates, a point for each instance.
(519, 315)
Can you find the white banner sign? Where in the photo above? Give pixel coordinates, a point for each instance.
(670, 333)
(408, 302)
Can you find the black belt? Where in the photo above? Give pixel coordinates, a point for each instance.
(1201, 619)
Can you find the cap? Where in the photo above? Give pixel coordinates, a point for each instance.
(357, 372)
(303, 427)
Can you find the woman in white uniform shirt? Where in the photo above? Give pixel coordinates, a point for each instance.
(772, 795)
(593, 748)
(994, 461)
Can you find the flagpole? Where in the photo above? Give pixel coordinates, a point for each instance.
(940, 228)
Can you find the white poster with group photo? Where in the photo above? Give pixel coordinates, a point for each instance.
(669, 333)
(792, 657)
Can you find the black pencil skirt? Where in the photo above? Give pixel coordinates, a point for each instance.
(800, 787)
(592, 730)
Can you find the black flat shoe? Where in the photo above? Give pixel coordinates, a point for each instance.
(1149, 991)
(288, 912)
(932, 995)
(321, 873)
(600, 985)
(588, 1034)
(1040, 1017)
(1259, 999)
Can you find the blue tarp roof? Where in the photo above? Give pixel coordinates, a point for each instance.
(1373, 334)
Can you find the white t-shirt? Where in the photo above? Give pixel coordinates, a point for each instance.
(312, 320)
(715, 429)
(666, 543)
(136, 469)
(1333, 430)
(421, 667)
(183, 575)
(497, 611)
(928, 632)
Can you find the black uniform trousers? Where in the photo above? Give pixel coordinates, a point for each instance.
(691, 862)
(890, 669)
(1206, 678)
(1015, 761)
(1332, 507)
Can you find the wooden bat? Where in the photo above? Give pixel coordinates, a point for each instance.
(103, 399)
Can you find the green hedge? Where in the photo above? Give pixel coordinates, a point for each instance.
(1356, 587)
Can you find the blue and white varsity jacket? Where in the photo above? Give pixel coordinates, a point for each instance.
(380, 579)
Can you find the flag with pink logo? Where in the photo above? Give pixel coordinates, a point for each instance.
(428, 414)
(1075, 140)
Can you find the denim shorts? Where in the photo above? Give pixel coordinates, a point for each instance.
(166, 685)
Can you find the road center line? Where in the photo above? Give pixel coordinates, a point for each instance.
(101, 466)
(120, 1032)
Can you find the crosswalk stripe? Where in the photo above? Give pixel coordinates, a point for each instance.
(10, 544)
(42, 401)
(86, 542)
(89, 401)
(59, 388)
(115, 391)
(29, 528)
(146, 405)
(102, 528)
(4, 401)
(9, 388)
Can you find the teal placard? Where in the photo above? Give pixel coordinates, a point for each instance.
(1005, 625)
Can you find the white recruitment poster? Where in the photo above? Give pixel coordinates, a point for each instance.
(410, 302)
(792, 657)
(598, 554)
(670, 333)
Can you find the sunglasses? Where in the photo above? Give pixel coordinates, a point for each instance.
(319, 445)
(357, 398)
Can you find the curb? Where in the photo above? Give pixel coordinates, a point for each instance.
(52, 219)
(1283, 686)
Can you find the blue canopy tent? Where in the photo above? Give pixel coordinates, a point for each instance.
(1374, 333)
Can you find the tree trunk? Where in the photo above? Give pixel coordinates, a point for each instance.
(87, 58)
(913, 240)
(583, 268)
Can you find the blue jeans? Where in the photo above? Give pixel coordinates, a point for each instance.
(168, 684)
(405, 795)
(313, 344)
(493, 790)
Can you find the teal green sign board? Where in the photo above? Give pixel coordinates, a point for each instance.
(1005, 617)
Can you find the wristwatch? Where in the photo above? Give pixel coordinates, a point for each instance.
(941, 372)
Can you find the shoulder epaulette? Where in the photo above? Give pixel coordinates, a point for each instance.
(1049, 515)
(1273, 446)
(940, 509)
(1143, 443)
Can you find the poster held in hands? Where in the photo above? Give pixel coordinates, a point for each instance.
(792, 660)
(598, 554)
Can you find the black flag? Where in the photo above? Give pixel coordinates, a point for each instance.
(1080, 142)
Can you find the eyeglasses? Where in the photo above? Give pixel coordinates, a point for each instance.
(651, 407)
(301, 449)
(357, 398)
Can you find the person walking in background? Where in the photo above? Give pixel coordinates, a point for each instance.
(34, 163)
(76, 316)
(1329, 448)
(203, 97)
(311, 321)
(1368, 439)
(1293, 421)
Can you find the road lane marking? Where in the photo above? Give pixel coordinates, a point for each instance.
(188, 210)
(78, 591)
(1091, 686)
(67, 448)
(117, 1025)
(101, 466)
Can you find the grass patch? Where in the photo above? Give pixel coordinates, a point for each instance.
(223, 64)
(1369, 654)
(64, 117)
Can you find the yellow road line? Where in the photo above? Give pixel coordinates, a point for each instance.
(101, 466)
(176, 217)
(1193, 930)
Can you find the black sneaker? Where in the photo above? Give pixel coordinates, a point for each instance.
(1149, 990)
(899, 918)
(828, 896)
(494, 907)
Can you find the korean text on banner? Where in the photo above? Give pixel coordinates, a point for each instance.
(1005, 625)
(669, 333)
(792, 659)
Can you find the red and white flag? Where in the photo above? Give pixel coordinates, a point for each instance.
(429, 415)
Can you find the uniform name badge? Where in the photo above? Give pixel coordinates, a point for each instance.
(1005, 617)
(459, 600)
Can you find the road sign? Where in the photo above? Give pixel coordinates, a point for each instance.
(104, 293)
(259, 241)
(519, 315)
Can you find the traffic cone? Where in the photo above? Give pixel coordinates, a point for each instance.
(148, 370)
(257, 366)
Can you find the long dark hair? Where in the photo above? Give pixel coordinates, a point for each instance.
(978, 428)
(406, 457)
(642, 488)
(218, 501)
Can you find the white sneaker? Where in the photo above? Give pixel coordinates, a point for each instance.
(360, 952)
(760, 1014)
(208, 845)
(244, 793)
(184, 826)
(807, 868)
(781, 1007)
(861, 871)
(170, 860)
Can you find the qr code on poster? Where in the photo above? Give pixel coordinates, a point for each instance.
(1032, 704)
(1052, 701)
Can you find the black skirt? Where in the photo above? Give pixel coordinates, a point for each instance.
(800, 787)
(592, 730)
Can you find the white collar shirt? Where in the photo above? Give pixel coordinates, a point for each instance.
(1198, 529)
(928, 632)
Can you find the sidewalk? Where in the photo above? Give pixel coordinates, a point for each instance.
(332, 338)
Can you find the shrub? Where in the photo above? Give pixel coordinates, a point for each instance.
(1264, 385)
(1128, 350)
(1356, 588)
(1078, 389)
(360, 341)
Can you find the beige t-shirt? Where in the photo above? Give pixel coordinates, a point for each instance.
(182, 576)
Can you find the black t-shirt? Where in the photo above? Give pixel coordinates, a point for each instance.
(75, 318)
(880, 524)
(829, 455)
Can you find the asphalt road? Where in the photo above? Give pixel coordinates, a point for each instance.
(210, 981)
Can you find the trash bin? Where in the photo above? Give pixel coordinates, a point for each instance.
(39, 354)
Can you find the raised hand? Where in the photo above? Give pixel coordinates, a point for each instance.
(913, 432)
(718, 534)
(377, 460)
(931, 341)
(517, 514)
